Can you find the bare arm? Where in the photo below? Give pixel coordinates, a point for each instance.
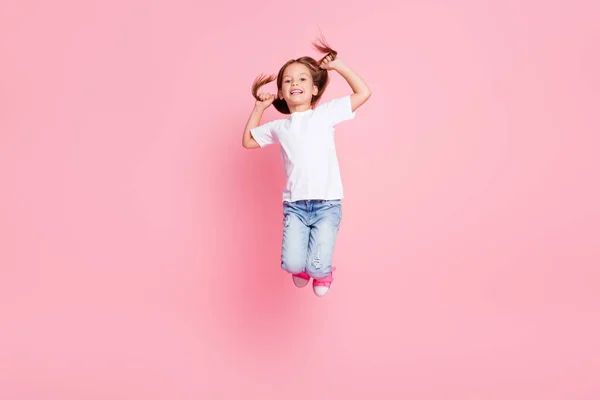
(253, 121)
(248, 142)
(357, 84)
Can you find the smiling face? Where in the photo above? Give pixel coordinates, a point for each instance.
(297, 87)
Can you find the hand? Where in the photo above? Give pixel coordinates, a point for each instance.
(329, 63)
(266, 99)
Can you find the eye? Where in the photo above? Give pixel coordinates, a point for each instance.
(302, 79)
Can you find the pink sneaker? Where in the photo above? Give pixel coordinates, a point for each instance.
(321, 286)
(301, 279)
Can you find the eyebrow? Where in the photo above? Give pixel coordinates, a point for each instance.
(289, 76)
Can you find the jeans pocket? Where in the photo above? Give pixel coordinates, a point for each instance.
(335, 211)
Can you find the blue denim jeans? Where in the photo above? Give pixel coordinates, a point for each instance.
(310, 229)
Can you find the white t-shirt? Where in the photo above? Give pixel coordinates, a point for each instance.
(307, 150)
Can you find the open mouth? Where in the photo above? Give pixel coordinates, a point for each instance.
(296, 92)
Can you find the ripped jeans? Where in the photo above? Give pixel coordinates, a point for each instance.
(310, 229)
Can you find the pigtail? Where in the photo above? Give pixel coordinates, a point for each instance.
(259, 82)
(279, 104)
(322, 46)
(321, 76)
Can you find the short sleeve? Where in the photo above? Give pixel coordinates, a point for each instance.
(264, 134)
(338, 110)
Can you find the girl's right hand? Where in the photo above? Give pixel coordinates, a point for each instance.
(266, 99)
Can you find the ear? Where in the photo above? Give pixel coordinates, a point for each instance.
(315, 90)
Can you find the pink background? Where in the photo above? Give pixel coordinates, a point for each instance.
(139, 242)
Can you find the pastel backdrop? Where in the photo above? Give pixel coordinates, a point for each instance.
(139, 242)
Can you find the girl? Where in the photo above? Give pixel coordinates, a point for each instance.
(313, 192)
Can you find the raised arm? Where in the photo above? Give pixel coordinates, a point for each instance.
(248, 141)
(357, 84)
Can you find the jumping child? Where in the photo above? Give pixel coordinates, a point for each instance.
(313, 193)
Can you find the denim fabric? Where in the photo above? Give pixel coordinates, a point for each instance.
(310, 229)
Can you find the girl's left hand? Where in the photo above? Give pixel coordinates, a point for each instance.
(329, 62)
